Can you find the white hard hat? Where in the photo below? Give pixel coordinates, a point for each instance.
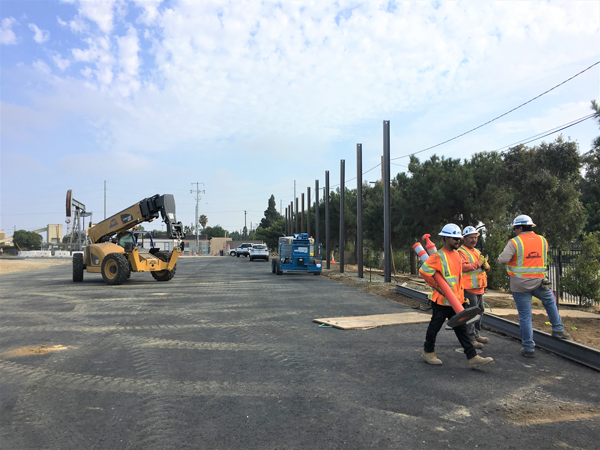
(522, 220)
(451, 230)
(470, 230)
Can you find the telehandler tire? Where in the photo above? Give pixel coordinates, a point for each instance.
(277, 271)
(272, 266)
(164, 275)
(78, 267)
(114, 269)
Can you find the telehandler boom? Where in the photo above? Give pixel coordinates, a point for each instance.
(112, 249)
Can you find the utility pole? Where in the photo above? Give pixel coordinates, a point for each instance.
(245, 228)
(198, 191)
(104, 199)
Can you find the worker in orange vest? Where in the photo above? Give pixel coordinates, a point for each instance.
(447, 262)
(525, 258)
(474, 278)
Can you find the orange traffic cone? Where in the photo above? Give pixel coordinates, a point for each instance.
(332, 259)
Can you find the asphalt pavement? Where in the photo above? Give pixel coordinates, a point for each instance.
(226, 356)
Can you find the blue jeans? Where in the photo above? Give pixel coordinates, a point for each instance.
(523, 302)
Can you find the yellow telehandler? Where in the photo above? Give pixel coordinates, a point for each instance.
(112, 248)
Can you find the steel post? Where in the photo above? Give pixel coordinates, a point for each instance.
(308, 210)
(359, 231)
(296, 229)
(303, 230)
(317, 211)
(342, 210)
(327, 250)
(387, 227)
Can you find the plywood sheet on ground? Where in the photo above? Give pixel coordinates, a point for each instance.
(378, 320)
(563, 312)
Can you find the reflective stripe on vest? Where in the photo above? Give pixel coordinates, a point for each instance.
(452, 280)
(473, 275)
(520, 266)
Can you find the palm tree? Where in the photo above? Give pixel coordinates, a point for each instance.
(203, 221)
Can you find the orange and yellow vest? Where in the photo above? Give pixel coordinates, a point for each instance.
(450, 266)
(476, 278)
(529, 261)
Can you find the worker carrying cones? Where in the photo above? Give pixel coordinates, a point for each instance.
(443, 272)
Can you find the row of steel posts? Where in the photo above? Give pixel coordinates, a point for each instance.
(291, 218)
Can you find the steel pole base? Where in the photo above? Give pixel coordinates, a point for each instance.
(465, 316)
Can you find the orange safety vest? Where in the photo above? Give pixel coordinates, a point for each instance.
(476, 278)
(450, 266)
(529, 261)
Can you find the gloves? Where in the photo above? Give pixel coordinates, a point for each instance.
(484, 263)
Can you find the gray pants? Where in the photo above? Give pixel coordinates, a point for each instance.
(474, 328)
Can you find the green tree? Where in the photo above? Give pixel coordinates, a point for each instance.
(544, 181)
(271, 214)
(590, 183)
(216, 231)
(272, 234)
(236, 236)
(203, 221)
(27, 240)
(584, 278)
(494, 240)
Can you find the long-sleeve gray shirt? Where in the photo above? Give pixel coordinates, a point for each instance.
(517, 284)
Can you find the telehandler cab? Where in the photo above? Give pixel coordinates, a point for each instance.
(112, 248)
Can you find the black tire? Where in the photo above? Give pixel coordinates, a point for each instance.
(316, 273)
(237, 254)
(78, 267)
(114, 269)
(267, 259)
(164, 275)
(272, 266)
(277, 271)
(251, 258)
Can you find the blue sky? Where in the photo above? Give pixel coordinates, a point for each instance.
(247, 96)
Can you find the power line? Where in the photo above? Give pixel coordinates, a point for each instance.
(502, 115)
(547, 133)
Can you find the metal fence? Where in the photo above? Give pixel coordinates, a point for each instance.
(559, 261)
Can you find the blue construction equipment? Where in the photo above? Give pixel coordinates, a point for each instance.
(298, 253)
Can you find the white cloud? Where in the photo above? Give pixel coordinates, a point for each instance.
(98, 11)
(61, 22)
(39, 36)
(60, 62)
(150, 7)
(7, 35)
(41, 67)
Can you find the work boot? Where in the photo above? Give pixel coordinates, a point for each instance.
(527, 354)
(477, 345)
(477, 361)
(562, 335)
(431, 358)
(482, 339)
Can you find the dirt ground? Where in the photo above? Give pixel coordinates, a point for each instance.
(9, 265)
(584, 331)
